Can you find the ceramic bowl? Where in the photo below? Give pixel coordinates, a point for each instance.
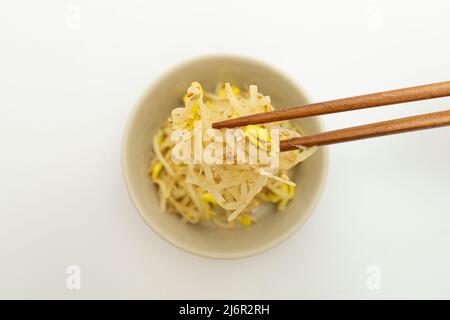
(155, 106)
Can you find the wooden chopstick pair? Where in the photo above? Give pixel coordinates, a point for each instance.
(420, 122)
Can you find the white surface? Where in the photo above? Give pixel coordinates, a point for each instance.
(65, 97)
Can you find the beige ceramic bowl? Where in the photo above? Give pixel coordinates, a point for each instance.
(155, 106)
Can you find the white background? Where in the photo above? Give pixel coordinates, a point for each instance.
(70, 72)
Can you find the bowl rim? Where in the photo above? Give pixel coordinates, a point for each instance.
(172, 240)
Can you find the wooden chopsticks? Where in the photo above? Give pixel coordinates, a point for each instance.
(426, 121)
(429, 91)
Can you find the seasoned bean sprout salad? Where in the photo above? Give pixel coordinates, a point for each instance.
(224, 193)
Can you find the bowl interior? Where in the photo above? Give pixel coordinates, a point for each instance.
(155, 106)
